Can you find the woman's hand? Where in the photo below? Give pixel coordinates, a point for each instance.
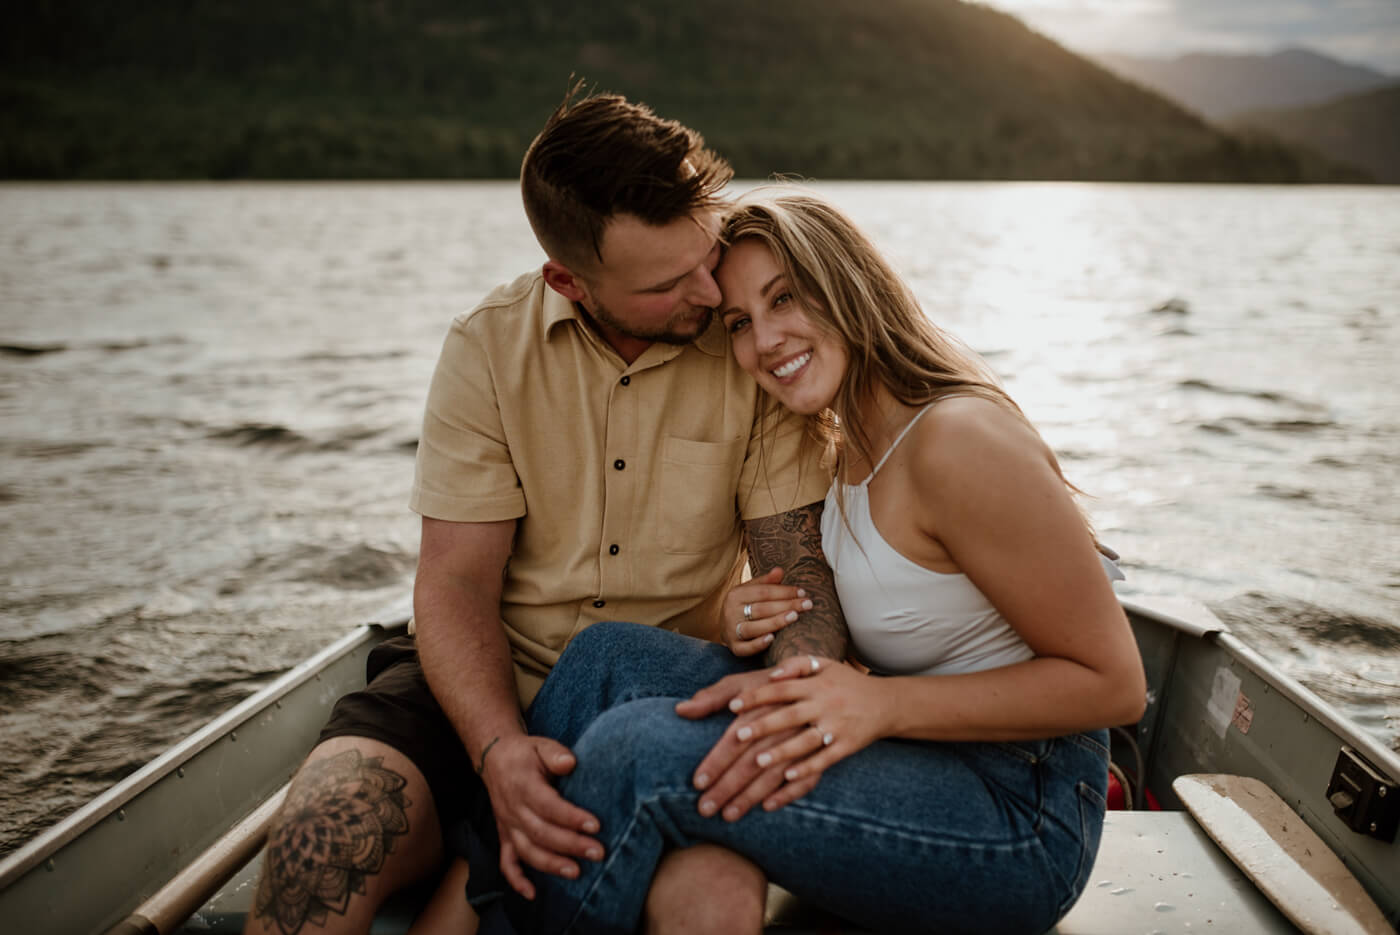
(758, 608)
(835, 709)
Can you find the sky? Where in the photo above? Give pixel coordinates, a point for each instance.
(1363, 32)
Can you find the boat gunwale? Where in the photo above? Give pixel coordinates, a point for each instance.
(1286, 685)
(52, 840)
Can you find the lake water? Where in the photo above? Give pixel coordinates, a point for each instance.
(210, 397)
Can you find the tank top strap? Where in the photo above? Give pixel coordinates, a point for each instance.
(900, 437)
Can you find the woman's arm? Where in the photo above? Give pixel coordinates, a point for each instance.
(983, 489)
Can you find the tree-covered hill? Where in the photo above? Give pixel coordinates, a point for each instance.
(1360, 129)
(457, 88)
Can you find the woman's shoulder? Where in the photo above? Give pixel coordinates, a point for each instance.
(971, 436)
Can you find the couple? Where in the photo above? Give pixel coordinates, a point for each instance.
(601, 440)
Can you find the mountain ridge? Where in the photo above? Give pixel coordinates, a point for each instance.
(1220, 86)
(437, 89)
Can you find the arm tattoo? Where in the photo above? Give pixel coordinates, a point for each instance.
(792, 541)
(337, 825)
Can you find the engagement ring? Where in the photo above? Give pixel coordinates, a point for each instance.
(748, 611)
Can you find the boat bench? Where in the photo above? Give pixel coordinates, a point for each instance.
(1156, 872)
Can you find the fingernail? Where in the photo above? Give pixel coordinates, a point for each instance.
(806, 605)
(764, 759)
(768, 639)
(595, 853)
(702, 780)
(569, 872)
(590, 827)
(707, 808)
(731, 813)
(801, 592)
(791, 774)
(790, 616)
(769, 805)
(776, 673)
(745, 733)
(736, 705)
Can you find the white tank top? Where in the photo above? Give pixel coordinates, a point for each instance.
(904, 618)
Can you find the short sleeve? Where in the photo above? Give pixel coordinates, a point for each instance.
(782, 468)
(464, 472)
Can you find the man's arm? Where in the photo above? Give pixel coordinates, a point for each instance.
(792, 541)
(466, 660)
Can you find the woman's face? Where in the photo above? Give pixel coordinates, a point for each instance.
(773, 337)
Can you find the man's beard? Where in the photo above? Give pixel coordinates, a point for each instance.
(669, 333)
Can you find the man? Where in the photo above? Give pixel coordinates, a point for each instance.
(590, 452)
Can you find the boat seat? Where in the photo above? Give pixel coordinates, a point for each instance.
(1156, 872)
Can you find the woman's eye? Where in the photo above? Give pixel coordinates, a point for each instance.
(783, 298)
(737, 325)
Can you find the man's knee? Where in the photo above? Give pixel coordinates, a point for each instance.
(704, 889)
(358, 823)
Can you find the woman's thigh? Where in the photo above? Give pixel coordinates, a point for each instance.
(613, 663)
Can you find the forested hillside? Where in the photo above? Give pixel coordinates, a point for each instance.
(456, 88)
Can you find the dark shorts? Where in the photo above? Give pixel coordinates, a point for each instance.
(396, 707)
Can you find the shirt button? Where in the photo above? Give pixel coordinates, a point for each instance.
(626, 381)
(613, 550)
(599, 602)
(619, 464)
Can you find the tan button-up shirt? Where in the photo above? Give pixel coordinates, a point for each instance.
(630, 482)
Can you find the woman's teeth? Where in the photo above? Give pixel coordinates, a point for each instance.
(792, 366)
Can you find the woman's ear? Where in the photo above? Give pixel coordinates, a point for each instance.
(562, 280)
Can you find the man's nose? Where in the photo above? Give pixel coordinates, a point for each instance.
(704, 291)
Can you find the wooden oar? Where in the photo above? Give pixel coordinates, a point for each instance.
(1285, 858)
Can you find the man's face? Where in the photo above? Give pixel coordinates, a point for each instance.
(655, 283)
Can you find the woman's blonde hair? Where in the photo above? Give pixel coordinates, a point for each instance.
(849, 290)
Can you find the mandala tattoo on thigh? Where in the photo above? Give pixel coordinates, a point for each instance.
(339, 822)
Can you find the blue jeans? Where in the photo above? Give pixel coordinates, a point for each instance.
(902, 836)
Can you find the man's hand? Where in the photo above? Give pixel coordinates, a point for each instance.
(536, 824)
(737, 774)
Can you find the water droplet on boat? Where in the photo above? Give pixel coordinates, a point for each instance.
(1164, 907)
(1120, 891)
(1104, 883)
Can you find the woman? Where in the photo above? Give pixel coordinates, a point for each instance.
(960, 768)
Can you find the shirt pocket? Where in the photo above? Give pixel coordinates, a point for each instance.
(699, 504)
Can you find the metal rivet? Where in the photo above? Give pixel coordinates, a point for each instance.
(48, 865)
(1381, 791)
(121, 814)
(277, 705)
(233, 735)
(1373, 827)
(180, 772)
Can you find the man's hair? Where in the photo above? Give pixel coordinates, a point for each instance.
(601, 156)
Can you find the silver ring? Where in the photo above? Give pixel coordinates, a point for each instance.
(827, 739)
(815, 665)
(739, 630)
(748, 611)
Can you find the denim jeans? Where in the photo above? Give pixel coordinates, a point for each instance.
(901, 836)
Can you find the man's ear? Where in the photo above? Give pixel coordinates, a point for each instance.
(563, 281)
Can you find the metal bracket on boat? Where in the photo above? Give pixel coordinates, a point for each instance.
(1364, 797)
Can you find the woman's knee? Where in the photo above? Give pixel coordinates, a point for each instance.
(644, 747)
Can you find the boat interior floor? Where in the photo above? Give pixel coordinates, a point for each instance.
(1157, 872)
